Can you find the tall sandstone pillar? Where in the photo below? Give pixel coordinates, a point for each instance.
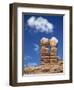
(53, 49)
(44, 50)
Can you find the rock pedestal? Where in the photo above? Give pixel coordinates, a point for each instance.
(44, 50)
(53, 50)
(44, 54)
(53, 54)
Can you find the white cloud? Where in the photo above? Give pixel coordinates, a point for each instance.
(31, 21)
(40, 24)
(36, 47)
(55, 39)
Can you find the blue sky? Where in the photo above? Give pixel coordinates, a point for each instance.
(37, 26)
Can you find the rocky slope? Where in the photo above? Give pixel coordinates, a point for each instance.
(56, 67)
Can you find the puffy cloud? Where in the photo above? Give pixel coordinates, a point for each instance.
(31, 21)
(40, 24)
(54, 39)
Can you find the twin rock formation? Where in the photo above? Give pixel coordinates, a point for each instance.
(50, 61)
(49, 56)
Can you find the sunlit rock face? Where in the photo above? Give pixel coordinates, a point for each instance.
(44, 50)
(44, 41)
(53, 41)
